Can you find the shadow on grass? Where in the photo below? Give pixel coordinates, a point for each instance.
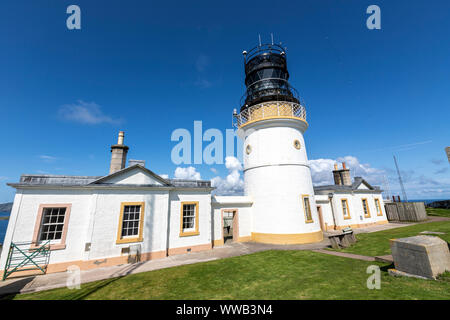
(387, 267)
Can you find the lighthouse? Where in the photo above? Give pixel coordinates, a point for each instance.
(271, 123)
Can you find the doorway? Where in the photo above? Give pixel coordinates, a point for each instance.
(230, 226)
(319, 212)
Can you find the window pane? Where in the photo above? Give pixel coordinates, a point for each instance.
(307, 209)
(130, 224)
(189, 211)
(52, 223)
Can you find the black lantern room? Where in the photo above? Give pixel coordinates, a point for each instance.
(266, 76)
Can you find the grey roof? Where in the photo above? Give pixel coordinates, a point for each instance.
(355, 185)
(40, 179)
(99, 181)
(190, 183)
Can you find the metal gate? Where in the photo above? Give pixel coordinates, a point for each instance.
(22, 257)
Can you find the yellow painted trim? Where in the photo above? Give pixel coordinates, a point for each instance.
(367, 205)
(304, 209)
(244, 239)
(217, 243)
(379, 212)
(362, 225)
(348, 209)
(274, 117)
(190, 233)
(139, 238)
(297, 238)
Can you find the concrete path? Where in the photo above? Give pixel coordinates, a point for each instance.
(386, 258)
(345, 255)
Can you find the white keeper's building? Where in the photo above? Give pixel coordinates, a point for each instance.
(134, 214)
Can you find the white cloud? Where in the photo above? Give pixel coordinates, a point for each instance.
(85, 113)
(164, 176)
(321, 170)
(3, 178)
(187, 173)
(233, 183)
(47, 158)
(417, 185)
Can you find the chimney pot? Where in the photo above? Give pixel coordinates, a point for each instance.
(118, 154)
(335, 166)
(121, 137)
(344, 166)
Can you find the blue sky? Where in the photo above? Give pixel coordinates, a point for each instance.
(150, 67)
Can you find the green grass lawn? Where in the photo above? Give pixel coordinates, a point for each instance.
(438, 212)
(377, 243)
(262, 275)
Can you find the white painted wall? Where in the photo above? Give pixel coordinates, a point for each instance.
(205, 222)
(276, 175)
(103, 236)
(94, 219)
(242, 204)
(356, 208)
(24, 215)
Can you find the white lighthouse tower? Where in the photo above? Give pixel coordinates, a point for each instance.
(272, 121)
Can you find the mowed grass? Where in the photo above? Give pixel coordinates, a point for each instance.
(377, 243)
(438, 212)
(262, 275)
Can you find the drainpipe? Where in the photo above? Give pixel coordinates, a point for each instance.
(330, 198)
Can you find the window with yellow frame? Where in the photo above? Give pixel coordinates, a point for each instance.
(131, 222)
(345, 209)
(189, 219)
(378, 207)
(307, 208)
(366, 209)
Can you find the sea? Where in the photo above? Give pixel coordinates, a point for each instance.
(3, 225)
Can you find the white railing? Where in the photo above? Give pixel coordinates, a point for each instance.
(270, 110)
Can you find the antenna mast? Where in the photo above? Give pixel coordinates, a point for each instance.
(387, 187)
(400, 180)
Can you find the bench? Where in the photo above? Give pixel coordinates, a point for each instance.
(343, 240)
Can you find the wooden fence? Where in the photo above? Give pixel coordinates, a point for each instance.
(406, 211)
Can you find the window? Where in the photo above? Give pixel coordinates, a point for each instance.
(377, 205)
(366, 208)
(131, 222)
(307, 208)
(345, 209)
(189, 219)
(51, 226)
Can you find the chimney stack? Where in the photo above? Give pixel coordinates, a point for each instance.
(342, 176)
(118, 154)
